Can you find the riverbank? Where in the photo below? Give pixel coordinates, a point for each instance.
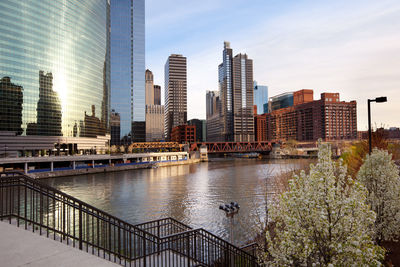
(143, 165)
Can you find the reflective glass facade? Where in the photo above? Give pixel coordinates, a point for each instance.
(128, 66)
(54, 70)
(261, 98)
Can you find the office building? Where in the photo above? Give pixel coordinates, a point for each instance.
(213, 120)
(280, 101)
(128, 67)
(261, 98)
(308, 120)
(200, 129)
(56, 68)
(154, 112)
(226, 93)
(243, 120)
(154, 123)
(175, 93)
(235, 77)
(157, 95)
(115, 125)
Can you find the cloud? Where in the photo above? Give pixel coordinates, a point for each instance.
(350, 47)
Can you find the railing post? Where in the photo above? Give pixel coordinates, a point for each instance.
(80, 226)
(144, 248)
(188, 249)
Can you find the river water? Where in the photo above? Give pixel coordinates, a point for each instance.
(188, 193)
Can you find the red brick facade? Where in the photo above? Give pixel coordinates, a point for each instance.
(308, 120)
(260, 124)
(184, 134)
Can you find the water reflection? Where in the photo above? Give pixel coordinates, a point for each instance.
(190, 193)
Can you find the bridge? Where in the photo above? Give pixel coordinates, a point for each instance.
(233, 147)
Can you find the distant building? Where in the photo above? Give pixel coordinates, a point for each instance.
(157, 95)
(309, 120)
(235, 76)
(261, 98)
(200, 129)
(281, 101)
(184, 134)
(115, 125)
(260, 127)
(154, 112)
(175, 93)
(243, 120)
(154, 123)
(149, 88)
(213, 120)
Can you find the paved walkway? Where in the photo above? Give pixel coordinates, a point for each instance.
(19, 247)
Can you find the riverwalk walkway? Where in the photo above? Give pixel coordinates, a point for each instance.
(19, 247)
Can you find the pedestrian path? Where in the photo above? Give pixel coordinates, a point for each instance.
(19, 247)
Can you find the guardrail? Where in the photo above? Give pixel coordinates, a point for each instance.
(166, 242)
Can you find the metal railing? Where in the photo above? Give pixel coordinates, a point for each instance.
(166, 242)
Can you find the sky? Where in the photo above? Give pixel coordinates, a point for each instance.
(347, 46)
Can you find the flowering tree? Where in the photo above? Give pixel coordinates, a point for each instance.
(380, 176)
(323, 219)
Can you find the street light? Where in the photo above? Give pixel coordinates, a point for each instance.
(381, 99)
(230, 211)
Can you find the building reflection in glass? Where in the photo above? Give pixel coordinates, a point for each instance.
(11, 99)
(68, 44)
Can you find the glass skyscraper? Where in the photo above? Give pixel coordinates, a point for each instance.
(55, 67)
(128, 67)
(261, 98)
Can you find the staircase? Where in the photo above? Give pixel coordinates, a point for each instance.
(40, 208)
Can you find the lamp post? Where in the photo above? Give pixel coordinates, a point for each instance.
(230, 211)
(381, 99)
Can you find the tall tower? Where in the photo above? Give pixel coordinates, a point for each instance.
(175, 93)
(235, 78)
(128, 66)
(226, 96)
(243, 121)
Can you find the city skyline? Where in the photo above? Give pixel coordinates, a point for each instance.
(350, 48)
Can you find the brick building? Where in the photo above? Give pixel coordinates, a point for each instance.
(260, 130)
(184, 134)
(308, 119)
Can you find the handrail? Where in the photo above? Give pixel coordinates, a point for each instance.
(163, 242)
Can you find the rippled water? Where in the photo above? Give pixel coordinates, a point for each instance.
(188, 193)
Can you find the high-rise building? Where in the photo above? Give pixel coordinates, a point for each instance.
(226, 93)
(157, 95)
(58, 66)
(154, 112)
(149, 88)
(235, 77)
(115, 125)
(175, 93)
(243, 120)
(261, 98)
(128, 66)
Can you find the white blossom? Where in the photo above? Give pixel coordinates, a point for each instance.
(323, 220)
(380, 176)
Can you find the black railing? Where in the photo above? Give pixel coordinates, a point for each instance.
(166, 242)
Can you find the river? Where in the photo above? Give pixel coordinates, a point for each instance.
(188, 193)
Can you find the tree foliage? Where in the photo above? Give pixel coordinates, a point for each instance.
(323, 219)
(355, 156)
(380, 175)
